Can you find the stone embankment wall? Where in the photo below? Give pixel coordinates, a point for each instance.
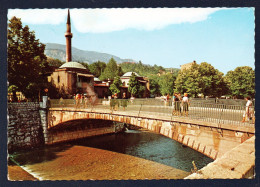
(237, 163)
(24, 126)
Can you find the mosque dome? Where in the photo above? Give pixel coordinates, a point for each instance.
(72, 65)
(129, 74)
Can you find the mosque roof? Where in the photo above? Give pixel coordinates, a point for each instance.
(72, 65)
(129, 74)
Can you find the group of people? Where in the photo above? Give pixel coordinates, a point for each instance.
(82, 100)
(180, 104)
(115, 104)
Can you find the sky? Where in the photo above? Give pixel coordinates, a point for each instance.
(168, 37)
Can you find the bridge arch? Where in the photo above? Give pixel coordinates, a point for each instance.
(209, 139)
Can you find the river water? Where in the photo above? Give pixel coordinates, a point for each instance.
(138, 143)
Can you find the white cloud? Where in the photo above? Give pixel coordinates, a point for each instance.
(108, 20)
(39, 16)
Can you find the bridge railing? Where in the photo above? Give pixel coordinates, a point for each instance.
(203, 111)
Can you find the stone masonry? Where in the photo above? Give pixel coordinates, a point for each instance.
(24, 126)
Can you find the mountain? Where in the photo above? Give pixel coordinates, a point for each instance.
(58, 51)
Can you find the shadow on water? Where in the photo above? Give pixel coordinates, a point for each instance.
(38, 155)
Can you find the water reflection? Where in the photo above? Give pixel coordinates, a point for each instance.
(148, 145)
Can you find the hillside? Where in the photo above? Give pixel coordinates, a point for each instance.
(58, 51)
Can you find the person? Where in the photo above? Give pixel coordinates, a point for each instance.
(77, 100)
(248, 113)
(185, 104)
(116, 104)
(172, 103)
(124, 101)
(86, 101)
(112, 105)
(180, 102)
(61, 101)
(177, 104)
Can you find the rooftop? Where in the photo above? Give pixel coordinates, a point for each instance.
(72, 65)
(129, 74)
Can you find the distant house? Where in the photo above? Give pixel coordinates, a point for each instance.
(188, 65)
(143, 80)
(101, 88)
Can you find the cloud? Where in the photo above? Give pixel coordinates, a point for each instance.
(108, 20)
(39, 16)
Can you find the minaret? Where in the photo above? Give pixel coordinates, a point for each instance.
(68, 36)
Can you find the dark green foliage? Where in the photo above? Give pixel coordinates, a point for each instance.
(145, 70)
(115, 87)
(134, 86)
(201, 78)
(154, 85)
(26, 60)
(97, 68)
(56, 63)
(166, 83)
(241, 82)
(111, 71)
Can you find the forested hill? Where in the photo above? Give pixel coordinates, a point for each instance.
(146, 70)
(58, 51)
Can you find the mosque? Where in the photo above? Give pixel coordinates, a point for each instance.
(73, 77)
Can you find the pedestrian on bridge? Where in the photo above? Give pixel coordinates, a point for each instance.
(185, 104)
(124, 101)
(249, 111)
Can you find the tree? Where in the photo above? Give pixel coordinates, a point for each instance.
(110, 71)
(201, 78)
(97, 68)
(115, 86)
(154, 85)
(134, 85)
(26, 59)
(166, 83)
(241, 82)
(54, 62)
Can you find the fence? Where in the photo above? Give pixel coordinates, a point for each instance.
(204, 111)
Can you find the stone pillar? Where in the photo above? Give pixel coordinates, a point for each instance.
(44, 118)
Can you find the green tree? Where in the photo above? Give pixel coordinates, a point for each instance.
(241, 82)
(56, 63)
(115, 86)
(97, 68)
(134, 85)
(201, 78)
(26, 60)
(110, 71)
(166, 83)
(154, 85)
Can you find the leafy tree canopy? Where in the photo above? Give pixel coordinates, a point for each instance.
(143, 69)
(166, 83)
(241, 82)
(26, 59)
(111, 70)
(201, 78)
(97, 68)
(134, 85)
(115, 86)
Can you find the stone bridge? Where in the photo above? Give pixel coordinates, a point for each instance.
(211, 139)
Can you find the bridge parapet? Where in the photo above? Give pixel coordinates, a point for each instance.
(203, 111)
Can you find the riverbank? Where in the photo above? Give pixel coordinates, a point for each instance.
(86, 163)
(16, 173)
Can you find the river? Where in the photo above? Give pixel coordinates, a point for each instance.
(109, 154)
